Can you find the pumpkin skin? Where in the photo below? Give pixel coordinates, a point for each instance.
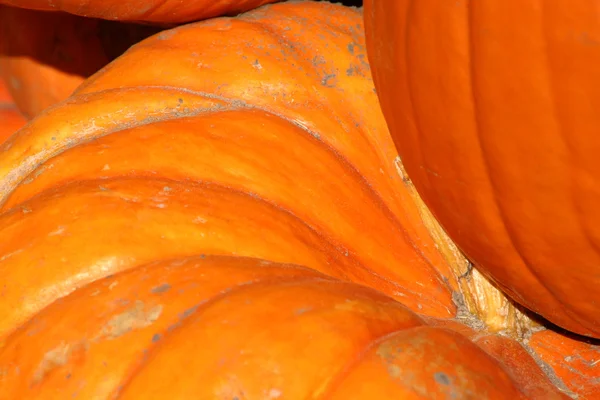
(115, 338)
(10, 118)
(492, 108)
(154, 11)
(58, 51)
(360, 225)
(277, 151)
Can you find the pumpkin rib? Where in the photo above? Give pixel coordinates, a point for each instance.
(426, 179)
(410, 95)
(498, 209)
(499, 212)
(572, 164)
(322, 284)
(280, 272)
(338, 263)
(295, 91)
(13, 171)
(197, 311)
(348, 166)
(525, 76)
(426, 326)
(199, 258)
(212, 96)
(328, 240)
(240, 104)
(88, 331)
(355, 361)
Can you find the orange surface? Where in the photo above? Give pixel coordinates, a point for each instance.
(493, 109)
(277, 151)
(10, 118)
(224, 328)
(44, 56)
(156, 11)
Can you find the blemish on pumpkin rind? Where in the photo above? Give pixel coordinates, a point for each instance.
(160, 288)
(442, 378)
(136, 317)
(389, 352)
(329, 80)
(56, 358)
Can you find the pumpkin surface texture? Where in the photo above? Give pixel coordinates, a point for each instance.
(251, 138)
(493, 108)
(208, 314)
(155, 11)
(44, 56)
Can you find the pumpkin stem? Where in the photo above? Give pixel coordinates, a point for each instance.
(480, 303)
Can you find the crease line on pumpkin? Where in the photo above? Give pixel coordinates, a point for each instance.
(343, 373)
(499, 212)
(409, 87)
(27, 164)
(173, 115)
(194, 313)
(411, 111)
(393, 288)
(555, 98)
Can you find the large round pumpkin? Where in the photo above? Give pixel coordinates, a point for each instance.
(274, 150)
(155, 11)
(493, 108)
(44, 56)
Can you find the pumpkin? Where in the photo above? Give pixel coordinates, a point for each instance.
(492, 108)
(154, 11)
(10, 118)
(125, 336)
(275, 151)
(44, 64)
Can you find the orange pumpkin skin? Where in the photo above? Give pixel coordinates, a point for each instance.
(282, 155)
(44, 63)
(155, 11)
(10, 118)
(574, 360)
(126, 336)
(246, 132)
(492, 106)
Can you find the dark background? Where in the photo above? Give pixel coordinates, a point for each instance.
(354, 3)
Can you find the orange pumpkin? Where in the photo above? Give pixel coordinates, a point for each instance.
(10, 118)
(156, 11)
(276, 151)
(128, 336)
(491, 105)
(44, 56)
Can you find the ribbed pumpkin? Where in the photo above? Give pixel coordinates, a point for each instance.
(44, 56)
(493, 108)
(236, 328)
(277, 151)
(155, 11)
